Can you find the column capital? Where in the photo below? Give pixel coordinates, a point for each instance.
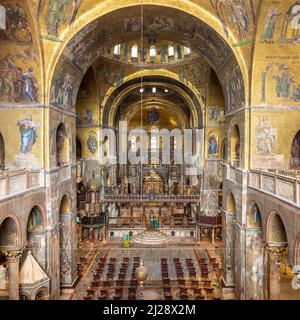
(13, 255)
(276, 251)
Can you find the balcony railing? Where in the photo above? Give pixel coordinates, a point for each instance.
(13, 182)
(283, 187)
(17, 181)
(151, 198)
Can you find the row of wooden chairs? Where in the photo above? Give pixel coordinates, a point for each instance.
(95, 283)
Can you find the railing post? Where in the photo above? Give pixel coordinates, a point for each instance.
(260, 179)
(296, 196)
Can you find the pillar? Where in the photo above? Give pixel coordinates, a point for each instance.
(13, 259)
(68, 248)
(275, 254)
(228, 248)
(91, 234)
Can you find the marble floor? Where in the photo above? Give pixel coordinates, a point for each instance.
(90, 253)
(151, 257)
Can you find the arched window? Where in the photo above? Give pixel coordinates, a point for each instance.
(2, 152)
(254, 217)
(117, 49)
(35, 220)
(134, 51)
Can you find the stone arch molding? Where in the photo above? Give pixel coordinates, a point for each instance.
(282, 235)
(13, 238)
(114, 97)
(70, 62)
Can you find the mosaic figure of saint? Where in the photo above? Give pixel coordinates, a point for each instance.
(265, 136)
(284, 82)
(28, 131)
(60, 12)
(213, 146)
(92, 143)
(237, 15)
(30, 87)
(270, 24)
(153, 115)
(291, 20)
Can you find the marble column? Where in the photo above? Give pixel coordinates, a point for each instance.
(228, 248)
(13, 259)
(275, 254)
(68, 249)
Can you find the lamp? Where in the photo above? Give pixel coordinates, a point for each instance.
(141, 275)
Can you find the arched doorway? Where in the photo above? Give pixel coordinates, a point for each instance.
(62, 146)
(8, 233)
(295, 152)
(255, 255)
(67, 221)
(36, 237)
(2, 152)
(277, 253)
(9, 245)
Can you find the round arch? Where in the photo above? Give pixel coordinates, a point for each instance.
(36, 222)
(254, 219)
(116, 95)
(230, 203)
(65, 204)
(42, 211)
(10, 232)
(235, 145)
(275, 229)
(133, 109)
(203, 28)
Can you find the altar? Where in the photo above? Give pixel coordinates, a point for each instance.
(153, 183)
